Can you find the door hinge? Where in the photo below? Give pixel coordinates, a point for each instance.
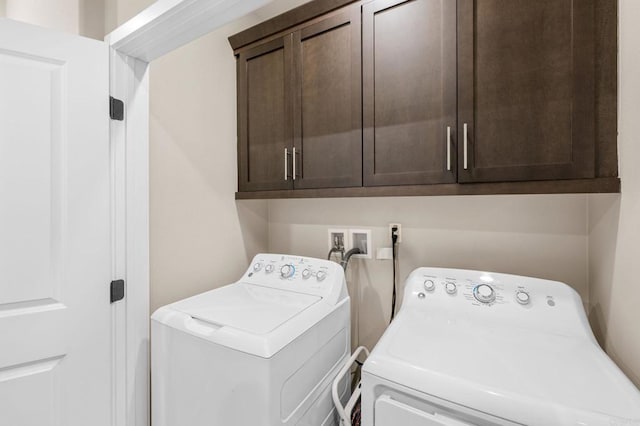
(117, 290)
(116, 109)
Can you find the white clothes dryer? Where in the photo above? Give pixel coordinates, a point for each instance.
(260, 352)
(474, 348)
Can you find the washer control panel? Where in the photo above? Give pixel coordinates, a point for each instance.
(297, 273)
(290, 270)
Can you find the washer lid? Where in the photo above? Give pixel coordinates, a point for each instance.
(518, 374)
(249, 318)
(251, 308)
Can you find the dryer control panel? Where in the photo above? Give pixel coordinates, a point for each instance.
(299, 274)
(496, 298)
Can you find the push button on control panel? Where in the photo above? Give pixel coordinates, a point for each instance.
(523, 297)
(450, 287)
(429, 285)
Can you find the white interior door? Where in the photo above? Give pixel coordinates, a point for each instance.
(55, 250)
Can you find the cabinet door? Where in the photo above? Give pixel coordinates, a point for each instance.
(409, 91)
(265, 130)
(526, 89)
(327, 103)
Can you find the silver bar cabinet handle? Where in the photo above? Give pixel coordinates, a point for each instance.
(286, 164)
(448, 148)
(466, 143)
(294, 163)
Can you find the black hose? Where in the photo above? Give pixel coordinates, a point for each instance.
(347, 256)
(336, 250)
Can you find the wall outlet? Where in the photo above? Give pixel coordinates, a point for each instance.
(338, 238)
(361, 238)
(391, 225)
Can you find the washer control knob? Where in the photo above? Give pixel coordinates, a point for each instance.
(523, 297)
(484, 293)
(269, 268)
(287, 271)
(306, 273)
(429, 285)
(257, 266)
(321, 275)
(451, 288)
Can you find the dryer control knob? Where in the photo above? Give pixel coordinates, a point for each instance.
(287, 271)
(451, 288)
(306, 273)
(429, 285)
(269, 268)
(484, 293)
(321, 275)
(257, 266)
(523, 297)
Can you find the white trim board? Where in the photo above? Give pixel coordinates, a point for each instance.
(169, 24)
(130, 210)
(159, 29)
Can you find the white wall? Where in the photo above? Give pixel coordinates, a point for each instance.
(84, 17)
(539, 235)
(614, 221)
(117, 12)
(200, 237)
(92, 18)
(63, 15)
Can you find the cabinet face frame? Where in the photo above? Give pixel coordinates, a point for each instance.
(445, 174)
(582, 161)
(334, 178)
(244, 182)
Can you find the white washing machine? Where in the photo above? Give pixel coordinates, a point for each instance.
(260, 352)
(473, 348)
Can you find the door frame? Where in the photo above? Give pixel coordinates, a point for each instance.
(161, 28)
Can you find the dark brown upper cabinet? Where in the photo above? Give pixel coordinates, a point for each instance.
(300, 108)
(265, 128)
(409, 92)
(526, 90)
(327, 102)
(340, 98)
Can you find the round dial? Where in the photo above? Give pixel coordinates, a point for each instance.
(321, 275)
(429, 285)
(523, 297)
(287, 271)
(451, 288)
(306, 273)
(257, 267)
(484, 293)
(269, 268)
